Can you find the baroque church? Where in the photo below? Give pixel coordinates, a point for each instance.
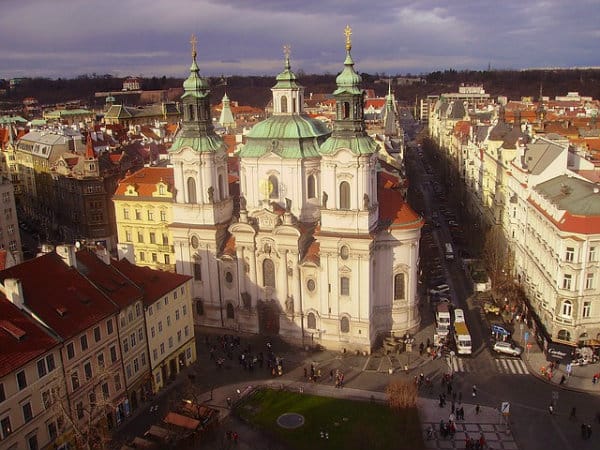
(320, 247)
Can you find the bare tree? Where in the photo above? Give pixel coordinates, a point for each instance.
(86, 419)
(496, 257)
(402, 394)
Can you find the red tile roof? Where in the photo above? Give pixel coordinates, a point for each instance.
(154, 283)
(145, 180)
(572, 223)
(109, 280)
(229, 248)
(34, 341)
(376, 103)
(313, 254)
(58, 294)
(394, 211)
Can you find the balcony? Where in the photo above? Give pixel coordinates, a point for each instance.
(166, 248)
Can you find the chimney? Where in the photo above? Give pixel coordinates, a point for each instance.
(102, 253)
(67, 253)
(13, 290)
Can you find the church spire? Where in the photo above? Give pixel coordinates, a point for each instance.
(288, 94)
(89, 148)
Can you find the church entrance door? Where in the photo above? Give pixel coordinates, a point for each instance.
(268, 317)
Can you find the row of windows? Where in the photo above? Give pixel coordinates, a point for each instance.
(154, 257)
(344, 190)
(149, 215)
(97, 334)
(160, 323)
(171, 342)
(141, 238)
(566, 309)
(570, 254)
(165, 301)
(568, 284)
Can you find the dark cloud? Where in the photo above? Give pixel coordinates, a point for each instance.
(70, 37)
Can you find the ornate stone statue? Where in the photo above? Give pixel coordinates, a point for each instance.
(211, 194)
(242, 203)
(289, 304)
(288, 204)
(324, 201)
(366, 201)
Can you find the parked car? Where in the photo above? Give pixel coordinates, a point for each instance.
(499, 331)
(507, 348)
(490, 308)
(440, 289)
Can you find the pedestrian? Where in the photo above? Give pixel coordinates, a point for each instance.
(583, 431)
(474, 391)
(229, 402)
(331, 375)
(562, 380)
(589, 430)
(449, 389)
(551, 409)
(573, 415)
(451, 417)
(477, 408)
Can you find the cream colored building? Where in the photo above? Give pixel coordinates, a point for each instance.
(324, 248)
(168, 317)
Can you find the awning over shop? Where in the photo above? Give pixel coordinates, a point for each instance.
(181, 421)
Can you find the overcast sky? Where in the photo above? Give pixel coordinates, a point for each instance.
(55, 38)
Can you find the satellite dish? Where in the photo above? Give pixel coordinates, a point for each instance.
(77, 245)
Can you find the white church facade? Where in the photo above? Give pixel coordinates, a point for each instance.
(321, 246)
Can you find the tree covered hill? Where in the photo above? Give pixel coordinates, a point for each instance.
(256, 90)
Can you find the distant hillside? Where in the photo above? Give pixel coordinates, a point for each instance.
(256, 90)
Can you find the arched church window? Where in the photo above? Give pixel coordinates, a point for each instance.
(344, 195)
(191, 188)
(345, 110)
(230, 312)
(273, 187)
(311, 321)
(399, 286)
(268, 273)
(310, 186)
(284, 105)
(344, 325)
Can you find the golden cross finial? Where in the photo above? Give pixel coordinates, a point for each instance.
(287, 50)
(348, 33)
(193, 41)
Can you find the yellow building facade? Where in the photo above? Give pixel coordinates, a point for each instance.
(143, 210)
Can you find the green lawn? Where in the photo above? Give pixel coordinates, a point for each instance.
(351, 425)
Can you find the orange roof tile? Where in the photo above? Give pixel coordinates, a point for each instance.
(145, 180)
(572, 223)
(394, 211)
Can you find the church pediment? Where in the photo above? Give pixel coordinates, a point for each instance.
(267, 220)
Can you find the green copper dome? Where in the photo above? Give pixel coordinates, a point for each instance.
(290, 136)
(195, 85)
(287, 79)
(348, 81)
